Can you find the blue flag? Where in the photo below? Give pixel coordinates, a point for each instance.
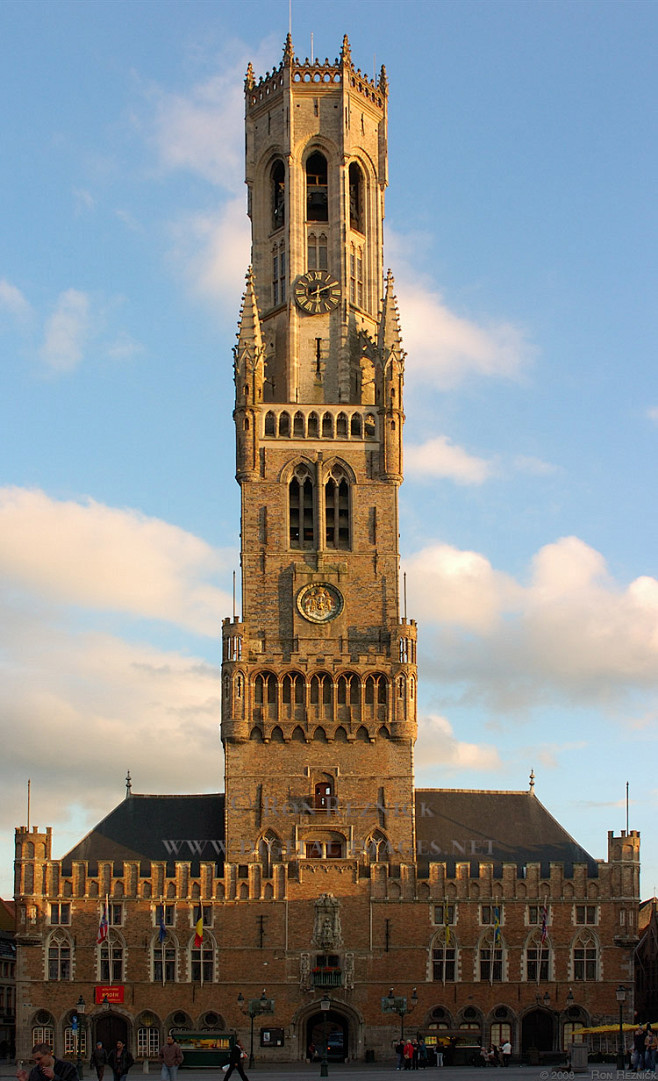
(163, 929)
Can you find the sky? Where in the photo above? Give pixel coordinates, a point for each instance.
(521, 227)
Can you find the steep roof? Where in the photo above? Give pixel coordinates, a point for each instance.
(145, 828)
(460, 825)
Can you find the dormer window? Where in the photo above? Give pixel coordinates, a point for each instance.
(317, 200)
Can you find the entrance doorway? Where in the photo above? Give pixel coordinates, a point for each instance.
(110, 1028)
(337, 1036)
(537, 1031)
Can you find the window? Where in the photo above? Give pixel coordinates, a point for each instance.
(356, 198)
(43, 1034)
(586, 915)
(444, 914)
(148, 1042)
(59, 957)
(317, 201)
(164, 960)
(337, 510)
(60, 914)
(302, 509)
(537, 960)
(278, 180)
(571, 1034)
(75, 1040)
(444, 957)
(585, 956)
(202, 962)
(115, 915)
(324, 796)
(491, 915)
(491, 963)
(278, 274)
(111, 960)
(317, 251)
(500, 1031)
(356, 275)
(535, 915)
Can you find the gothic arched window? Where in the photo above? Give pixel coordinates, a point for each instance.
(302, 509)
(110, 958)
(60, 954)
(537, 958)
(356, 198)
(278, 180)
(337, 509)
(317, 251)
(444, 956)
(163, 958)
(317, 201)
(585, 957)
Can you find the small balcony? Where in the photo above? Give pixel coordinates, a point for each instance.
(327, 977)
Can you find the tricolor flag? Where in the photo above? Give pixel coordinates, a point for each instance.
(102, 926)
(544, 925)
(198, 931)
(161, 925)
(496, 926)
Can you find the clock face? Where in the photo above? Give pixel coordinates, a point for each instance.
(317, 292)
(319, 602)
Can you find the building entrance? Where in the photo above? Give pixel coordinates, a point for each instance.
(335, 1030)
(537, 1031)
(109, 1029)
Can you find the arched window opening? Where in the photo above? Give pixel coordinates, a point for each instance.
(341, 426)
(362, 734)
(284, 425)
(491, 958)
(340, 735)
(356, 198)
(317, 251)
(323, 795)
(302, 509)
(384, 733)
(269, 852)
(278, 176)
(270, 424)
(327, 426)
(370, 426)
(59, 957)
(377, 847)
(111, 955)
(256, 734)
(298, 426)
(277, 735)
(337, 510)
(202, 960)
(317, 201)
(537, 959)
(298, 734)
(164, 959)
(585, 958)
(356, 275)
(356, 427)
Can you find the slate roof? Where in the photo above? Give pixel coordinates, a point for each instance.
(146, 828)
(459, 825)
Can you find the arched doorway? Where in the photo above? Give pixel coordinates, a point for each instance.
(110, 1028)
(537, 1030)
(337, 1034)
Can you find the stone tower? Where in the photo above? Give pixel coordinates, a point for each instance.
(319, 676)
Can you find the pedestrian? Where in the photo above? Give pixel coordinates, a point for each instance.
(408, 1054)
(120, 1060)
(414, 1055)
(649, 1048)
(171, 1057)
(98, 1060)
(422, 1053)
(48, 1067)
(399, 1051)
(638, 1049)
(506, 1050)
(235, 1061)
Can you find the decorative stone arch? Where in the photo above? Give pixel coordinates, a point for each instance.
(377, 846)
(270, 849)
(343, 1012)
(537, 955)
(585, 957)
(443, 956)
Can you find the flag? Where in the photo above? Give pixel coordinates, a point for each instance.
(544, 925)
(198, 931)
(496, 926)
(162, 929)
(446, 924)
(102, 926)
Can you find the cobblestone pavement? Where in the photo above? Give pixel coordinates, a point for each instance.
(365, 1071)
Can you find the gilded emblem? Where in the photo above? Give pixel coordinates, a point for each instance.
(319, 602)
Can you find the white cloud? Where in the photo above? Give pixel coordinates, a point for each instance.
(67, 332)
(124, 347)
(13, 301)
(570, 633)
(438, 746)
(99, 557)
(534, 466)
(652, 413)
(440, 457)
(211, 251)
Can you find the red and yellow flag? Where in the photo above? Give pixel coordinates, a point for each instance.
(198, 933)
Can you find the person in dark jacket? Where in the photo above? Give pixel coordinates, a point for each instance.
(120, 1060)
(98, 1060)
(235, 1061)
(47, 1067)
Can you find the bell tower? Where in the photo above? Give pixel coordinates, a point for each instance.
(319, 675)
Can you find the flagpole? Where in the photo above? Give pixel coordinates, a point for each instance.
(109, 939)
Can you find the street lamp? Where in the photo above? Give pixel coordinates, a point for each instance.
(398, 1004)
(254, 1008)
(325, 1006)
(77, 1024)
(621, 998)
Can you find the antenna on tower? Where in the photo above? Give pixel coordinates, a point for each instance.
(29, 783)
(312, 47)
(404, 590)
(627, 808)
(290, 17)
(234, 596)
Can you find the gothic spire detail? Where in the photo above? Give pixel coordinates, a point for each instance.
(288, 52)
(249, 348)
(345, 51)
(390, 337)
(249, 77)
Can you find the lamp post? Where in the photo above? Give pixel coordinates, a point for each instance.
(77, 1024)
(392, 1003)
(254, 1008)
(621, 998)
(325, 1006)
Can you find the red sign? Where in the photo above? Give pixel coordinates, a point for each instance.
(111, 993)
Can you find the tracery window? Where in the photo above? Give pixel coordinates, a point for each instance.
(490, 958)
(317, 201)
(337, 509)
(585, 957)
(164, 959)
(444, 956)
(202, 960)
(60, 954)
(356, 198)
(278, 273)
(111, 958)
(278, 179)
(148, 1041)
(317, 251)
(537, 959)
(356, 275)
(301, 498)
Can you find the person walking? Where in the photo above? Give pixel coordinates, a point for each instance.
(235, 1061)
(120, 1060)
(506, 1051)
(399, 1051)
(171, 1057)
(98, 1060)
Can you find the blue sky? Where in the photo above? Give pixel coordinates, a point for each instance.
(521, 230)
